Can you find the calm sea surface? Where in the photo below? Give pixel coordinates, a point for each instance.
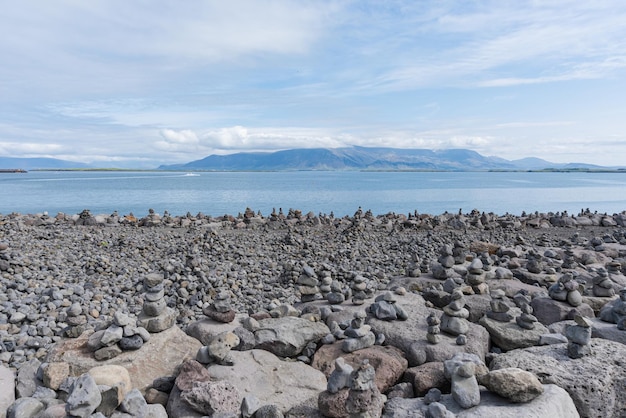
(342, 193)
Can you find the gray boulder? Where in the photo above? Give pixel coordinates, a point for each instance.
(7, 394)
(509, 336)
(84, 397)
(548, 310)
(270, 379)
(595, 382)
(410, 335)
(24, 408)
(287, 336)
(554, 402)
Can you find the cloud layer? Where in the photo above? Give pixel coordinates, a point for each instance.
(153, 82)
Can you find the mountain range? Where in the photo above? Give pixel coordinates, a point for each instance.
(347, 158)
(367, 158)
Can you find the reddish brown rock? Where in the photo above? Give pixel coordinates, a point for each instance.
(191, 371)
(389, 362)
(427, 376)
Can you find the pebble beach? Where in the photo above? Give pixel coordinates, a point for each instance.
(95, 265)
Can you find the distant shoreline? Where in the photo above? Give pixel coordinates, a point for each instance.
(545, 170)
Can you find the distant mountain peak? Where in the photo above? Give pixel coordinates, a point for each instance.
(364, 158)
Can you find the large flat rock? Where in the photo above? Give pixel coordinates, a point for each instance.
(287, 384)
(158, 357)
(509, 336)
(553, 403)
(7, 393)
(596, 382)
(410, 335)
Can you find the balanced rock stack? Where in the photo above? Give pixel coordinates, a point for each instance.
(614, 268)
(615, 312)
(433, 329)
(336, 294)
(122, 335)
(220, 310)
(351, 393)
(155, 316)
(358, 335)
(569, 260)
(325, 283)
(308, 284)
(476, 276)
(76, 321)
(454, 318)
(602, 285)
(499, 309)
(579, 337)
(386, 308)
(359, 287)
(526, 319)
(153, 219)
(566, 290)
(442, 269)
(4, 256)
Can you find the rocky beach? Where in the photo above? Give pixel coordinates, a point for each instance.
(301, 314)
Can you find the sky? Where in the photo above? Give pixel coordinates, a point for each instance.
(120, 83)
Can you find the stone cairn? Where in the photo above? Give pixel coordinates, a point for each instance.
(76, 321)
(325, 283)
(336, 295)
(386, 308)
(499, 309)
(461, 371)
(351, 393)
(358, 335)
(614, 268)
(155, 316)
(413, 269)
(442, 269)
(433, 329)
(569, 259)
(476, 276)
(602, 284)
(615, 312)
(526, 319)
(153, 219)
(579, 337)
(566, 290)
(221, 310)
(122, 335)
(364, 398)
(454, 318)
(308, 284)
(360, 291)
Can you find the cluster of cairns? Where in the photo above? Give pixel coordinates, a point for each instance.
(122, 335)
(566, 289)
(352, 393)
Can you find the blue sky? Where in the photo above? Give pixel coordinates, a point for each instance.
(141, 83)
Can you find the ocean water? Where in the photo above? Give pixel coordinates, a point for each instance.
(219, 193)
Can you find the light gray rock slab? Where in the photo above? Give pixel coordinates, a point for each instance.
(7, 394)
(509, 336)
(595, 382)
(171, 347)
(555, 402)
(410, 335)
(270, 379)
(607, 331)
(287, 336)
